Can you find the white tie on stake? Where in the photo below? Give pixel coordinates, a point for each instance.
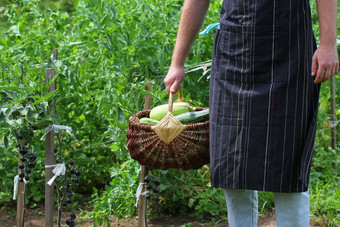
(139, 192)
(59, 169)
(16, 184)
(56, 129)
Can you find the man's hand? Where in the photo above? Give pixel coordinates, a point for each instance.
(325, 63)
(173, 79)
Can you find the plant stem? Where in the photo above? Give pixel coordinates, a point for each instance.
(59, 216)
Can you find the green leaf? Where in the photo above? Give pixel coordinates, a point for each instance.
(45, 98)
(57, 65)
(162, 186)
(5, 198)
(11, 122)
(191, 202)
(24, 111)
(37, 198)
(75, 3)
(31, 116)
(33, 188)
(121, 116)
(7, 112)
(25, 132)
(2, 117)
(114, 147)
(20, 121)
(14, 31)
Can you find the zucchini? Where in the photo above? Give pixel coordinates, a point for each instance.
(158, 112)
(193, 117)
(148, 121)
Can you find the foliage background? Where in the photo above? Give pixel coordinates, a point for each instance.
(108, 50)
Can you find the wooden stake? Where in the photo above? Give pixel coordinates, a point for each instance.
(333, 113)
(143, 171)
(49, 154)
(21, 195)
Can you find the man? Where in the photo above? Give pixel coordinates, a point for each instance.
(263, 99)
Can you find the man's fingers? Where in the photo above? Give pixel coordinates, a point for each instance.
(319, 75)
(327, 75)
(330, 72)
(174, 87)
(168, 81)
(167, 88)
(314, 66)
(173, 79)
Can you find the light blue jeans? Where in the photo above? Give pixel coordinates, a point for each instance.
(291, 209)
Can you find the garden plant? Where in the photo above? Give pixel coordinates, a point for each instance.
(108, 50)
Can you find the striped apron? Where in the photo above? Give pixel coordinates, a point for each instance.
(263, 101)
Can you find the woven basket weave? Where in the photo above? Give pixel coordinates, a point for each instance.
(188, 150)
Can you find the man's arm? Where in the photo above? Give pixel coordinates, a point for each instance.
(325, 62)
(192, 18)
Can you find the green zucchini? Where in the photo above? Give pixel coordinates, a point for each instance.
(193, 117)
(148, 121)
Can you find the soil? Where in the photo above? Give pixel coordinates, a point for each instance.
(35, 218)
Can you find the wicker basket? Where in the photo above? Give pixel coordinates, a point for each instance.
(188, 150)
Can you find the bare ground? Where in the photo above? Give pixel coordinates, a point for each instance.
(36, 218)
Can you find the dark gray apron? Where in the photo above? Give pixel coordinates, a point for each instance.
(263, 101)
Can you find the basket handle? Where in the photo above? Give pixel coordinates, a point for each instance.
(171, 99)
(179, 93)
(171, 102)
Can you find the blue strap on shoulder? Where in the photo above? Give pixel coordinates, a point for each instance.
(207, 30)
